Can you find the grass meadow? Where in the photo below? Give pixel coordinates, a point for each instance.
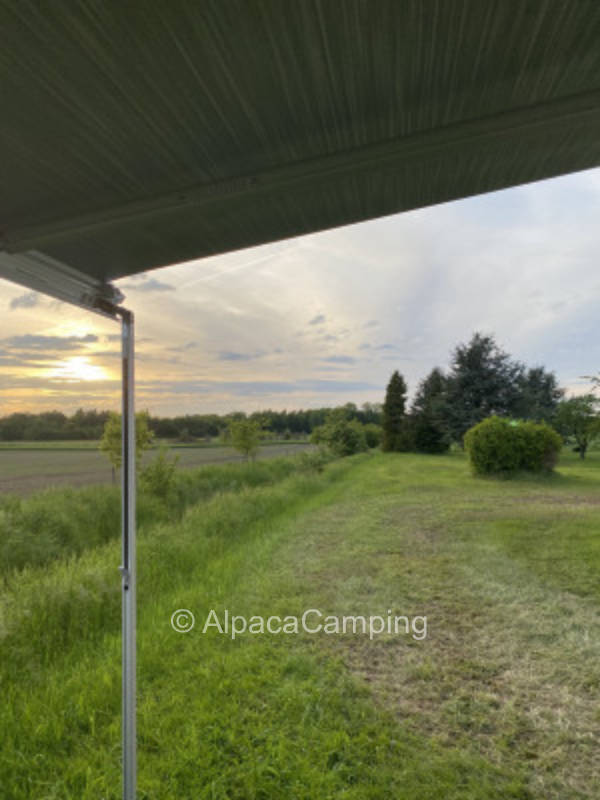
(500, 700)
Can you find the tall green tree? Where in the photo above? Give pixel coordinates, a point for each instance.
(244, 435)
(577, 418)
(395, 425)
(483, 381)
(428, 414)
(539, 395)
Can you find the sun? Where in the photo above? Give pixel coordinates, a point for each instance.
(78, 368)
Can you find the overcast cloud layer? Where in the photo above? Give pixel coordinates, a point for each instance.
(325, 319)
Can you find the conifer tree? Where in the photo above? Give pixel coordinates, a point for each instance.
(483, 381)
(428, 414)
(394, 417)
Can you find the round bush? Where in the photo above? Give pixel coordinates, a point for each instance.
(501, 446)
(343, 438)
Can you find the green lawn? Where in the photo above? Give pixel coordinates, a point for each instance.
(500, 700)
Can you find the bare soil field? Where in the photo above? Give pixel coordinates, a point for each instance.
(27, 468)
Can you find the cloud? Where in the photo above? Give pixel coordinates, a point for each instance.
(23, 359)
(139, 356)
(150, 285)
(12, 361)
(338, 386)
(182, 348)
(318, 320)
(29, 341)
(339, 360)
(27, 300)
(114, 354)
(228, 355)
(254, 388)
(387, 346)
(16, 381)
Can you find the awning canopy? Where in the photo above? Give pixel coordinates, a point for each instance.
(137, 135)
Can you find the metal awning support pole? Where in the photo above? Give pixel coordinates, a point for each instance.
(128, 567)
(45, 274)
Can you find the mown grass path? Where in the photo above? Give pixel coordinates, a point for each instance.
(508, 575)
(499, 701)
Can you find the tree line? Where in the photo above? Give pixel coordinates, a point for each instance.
(56, 426)
(482, 381)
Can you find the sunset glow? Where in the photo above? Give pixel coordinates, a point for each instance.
(78, 368)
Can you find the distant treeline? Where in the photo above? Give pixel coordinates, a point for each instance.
(55, 426)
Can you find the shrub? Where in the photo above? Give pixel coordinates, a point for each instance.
(342, 437)
(502, 446)
(373, 434)
(314, 461)
(159, 478)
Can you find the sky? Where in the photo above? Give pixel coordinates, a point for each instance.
(323, 320)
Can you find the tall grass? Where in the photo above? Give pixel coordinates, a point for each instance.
(62, 522)
(45, 609)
